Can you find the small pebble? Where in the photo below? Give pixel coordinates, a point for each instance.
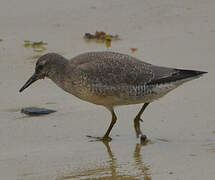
(34, 111)
(143, 138)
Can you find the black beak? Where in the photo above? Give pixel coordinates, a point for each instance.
(32, 79)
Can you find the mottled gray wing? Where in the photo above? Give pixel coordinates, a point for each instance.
(114, 69)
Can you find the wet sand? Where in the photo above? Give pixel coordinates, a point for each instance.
(55, 147)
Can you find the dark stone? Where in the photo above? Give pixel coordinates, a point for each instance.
(143, 138)
(34, 111)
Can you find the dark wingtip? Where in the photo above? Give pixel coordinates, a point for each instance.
(203, 72)
(178, 75)
(192, 72)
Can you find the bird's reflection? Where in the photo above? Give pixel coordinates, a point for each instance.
(111, 170)
(144, 170)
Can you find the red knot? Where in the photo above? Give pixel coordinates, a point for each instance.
(111, 79)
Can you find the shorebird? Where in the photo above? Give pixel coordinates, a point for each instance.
(111, 79)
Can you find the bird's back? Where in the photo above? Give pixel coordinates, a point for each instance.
(113, 68)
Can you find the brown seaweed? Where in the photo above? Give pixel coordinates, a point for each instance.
(102, 37)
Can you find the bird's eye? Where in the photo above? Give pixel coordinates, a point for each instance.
(39, 67)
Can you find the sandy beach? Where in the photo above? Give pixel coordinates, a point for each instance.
(180, 126)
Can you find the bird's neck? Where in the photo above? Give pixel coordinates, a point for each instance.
(57, 71)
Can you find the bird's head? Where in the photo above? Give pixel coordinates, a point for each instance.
(45, 66)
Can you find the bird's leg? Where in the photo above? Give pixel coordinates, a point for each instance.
(114, 118)
(137, 120)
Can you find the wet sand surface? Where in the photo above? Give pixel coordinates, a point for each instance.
(180, 126)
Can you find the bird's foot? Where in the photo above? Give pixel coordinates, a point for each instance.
(137, 118)
(104, 138)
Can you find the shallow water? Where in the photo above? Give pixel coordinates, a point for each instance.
(180, 126)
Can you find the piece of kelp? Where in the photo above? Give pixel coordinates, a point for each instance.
(101, 36)
(36, 46)
(133, 50)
